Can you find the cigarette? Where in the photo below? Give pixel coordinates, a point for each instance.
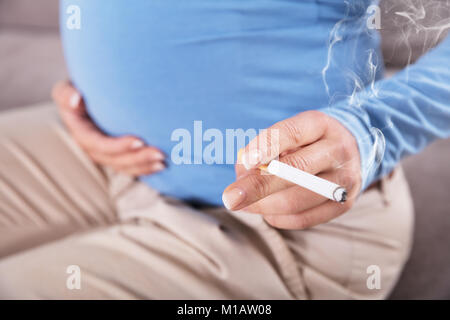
(306, 180)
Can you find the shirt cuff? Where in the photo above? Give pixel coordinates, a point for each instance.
(371, 144)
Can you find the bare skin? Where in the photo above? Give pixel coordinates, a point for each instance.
(310, 141)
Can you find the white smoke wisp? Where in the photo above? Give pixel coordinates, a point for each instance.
(418, 24)
(334, 38)
(337, 34)
(421, 24)
(372, 64)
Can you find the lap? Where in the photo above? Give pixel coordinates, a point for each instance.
(48, 187)
(142, 245)
(160, 250)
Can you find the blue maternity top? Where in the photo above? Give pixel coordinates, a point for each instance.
(179, 73)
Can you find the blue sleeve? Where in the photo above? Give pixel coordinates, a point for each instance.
(401, 115)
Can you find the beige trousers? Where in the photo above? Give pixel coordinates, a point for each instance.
(58, 211)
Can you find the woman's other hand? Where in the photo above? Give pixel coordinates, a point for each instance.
(125, 154)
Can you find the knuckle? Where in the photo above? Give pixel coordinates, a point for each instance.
(299, 162)
(292, 131)
(353, 175)
(346, 148)
(266, 142)
(315, 115)
(259, 184)
(294, 204)
(350, 183)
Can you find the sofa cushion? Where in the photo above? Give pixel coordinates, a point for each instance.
(404, 40)
(30, 63)
(29, 13)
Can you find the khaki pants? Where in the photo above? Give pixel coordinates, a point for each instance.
(57, 209)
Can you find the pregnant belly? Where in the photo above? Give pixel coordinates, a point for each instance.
(151, 67)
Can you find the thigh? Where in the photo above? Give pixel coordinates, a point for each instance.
(162, 249)
(374, 238)
(48, 187)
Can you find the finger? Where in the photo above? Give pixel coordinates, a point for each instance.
(292, 200)
(83, 129)
(93, 140)
(251, 188)
(302, 129)
(307, 219)
(131, 159)
(144, 169)
(318, 157)
(68, 98)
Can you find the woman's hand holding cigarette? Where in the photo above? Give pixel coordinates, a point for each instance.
(310, 141)
(125, 154)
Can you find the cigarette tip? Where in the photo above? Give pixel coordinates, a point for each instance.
(343, 197)
(340, 195)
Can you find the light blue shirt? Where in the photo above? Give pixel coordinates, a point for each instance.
(152, 68)
(411, 110)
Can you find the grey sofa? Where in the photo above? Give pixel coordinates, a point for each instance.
(31, 61)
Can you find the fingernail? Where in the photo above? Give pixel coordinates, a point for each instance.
(251, 159)
(137, 144)
(158, 156)
(75, 100)
(232, 198)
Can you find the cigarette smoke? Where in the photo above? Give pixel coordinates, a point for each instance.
(413, 26)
